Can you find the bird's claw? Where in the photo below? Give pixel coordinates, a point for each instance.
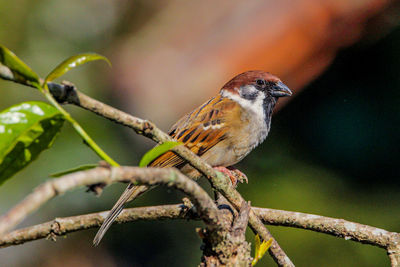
(234, 174)
(241, 177)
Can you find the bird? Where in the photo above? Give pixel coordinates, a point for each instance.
(222, 131)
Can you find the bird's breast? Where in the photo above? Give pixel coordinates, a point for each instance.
(245, 133)
(252, 132)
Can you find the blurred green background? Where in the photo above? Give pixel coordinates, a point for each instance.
(333, 149)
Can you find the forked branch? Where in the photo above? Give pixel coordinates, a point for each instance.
(147, 176)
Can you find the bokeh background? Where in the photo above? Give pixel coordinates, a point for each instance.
(333, 149)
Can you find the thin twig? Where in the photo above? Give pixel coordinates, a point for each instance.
(63, 226)
(337, 227)
(148, 176)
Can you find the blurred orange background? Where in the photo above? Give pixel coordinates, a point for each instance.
(333, 148)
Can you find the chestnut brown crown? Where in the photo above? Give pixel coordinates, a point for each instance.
(262, 80)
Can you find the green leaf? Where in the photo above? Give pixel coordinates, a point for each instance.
(26, 130)
(260, 249)
(73, 62)
(76, 169)
(157, 151)
(20, 72)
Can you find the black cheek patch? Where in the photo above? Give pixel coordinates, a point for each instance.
(249, 94)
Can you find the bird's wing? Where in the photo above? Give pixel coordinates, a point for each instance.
(200, 130)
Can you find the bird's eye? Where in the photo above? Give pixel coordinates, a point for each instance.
(260, 82)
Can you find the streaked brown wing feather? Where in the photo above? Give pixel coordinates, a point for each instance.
(199, 130)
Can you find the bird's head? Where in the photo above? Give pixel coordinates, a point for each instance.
(257, 91)
(255, 84)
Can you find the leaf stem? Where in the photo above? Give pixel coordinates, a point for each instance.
(91, 143)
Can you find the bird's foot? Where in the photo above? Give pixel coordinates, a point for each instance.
(239, 175)
(234, 174)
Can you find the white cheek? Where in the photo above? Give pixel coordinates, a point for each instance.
(255, 105)
(257, 123)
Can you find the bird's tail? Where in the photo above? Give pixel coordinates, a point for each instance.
(130, 193)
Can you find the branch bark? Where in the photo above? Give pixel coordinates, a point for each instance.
(229, 246)
(148, 176)
(337, 227)
(63, 226)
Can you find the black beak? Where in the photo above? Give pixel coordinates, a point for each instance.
(280, 90)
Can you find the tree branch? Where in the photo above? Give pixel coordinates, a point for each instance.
(148, 176)
(337, 227)
(63, 226)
